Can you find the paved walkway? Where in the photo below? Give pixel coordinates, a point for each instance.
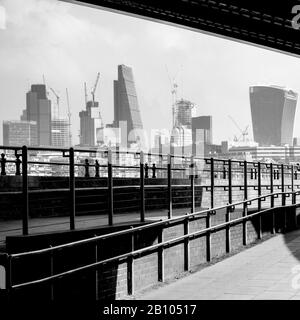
(265, 271)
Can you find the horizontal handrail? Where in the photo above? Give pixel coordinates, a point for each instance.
(147, 226)
(154, 247)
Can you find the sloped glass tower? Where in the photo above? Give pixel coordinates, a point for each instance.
(126, 107)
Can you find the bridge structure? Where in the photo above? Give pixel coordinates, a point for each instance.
(175, 213)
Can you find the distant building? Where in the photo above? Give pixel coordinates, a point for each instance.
(19, 133)
(202, 133)
(90, 123)
(183, 113)
(60, 133)
(38, 109)
(126, 107)
(273, 112)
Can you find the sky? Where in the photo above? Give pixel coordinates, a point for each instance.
(69, 44)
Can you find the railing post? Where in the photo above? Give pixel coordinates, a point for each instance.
(97, 166)
(161, 262)
(293, 195)
(146, 171)
(142, 187)
(86, 168)
(283, 202)
(25, 190)
(272, 197)
(8, 277)
(228, 209)
(245, 211)
(259, 200)
(96, 271)
(110, 189)
(212, 182)
(192, 177)
(153, 171)
(208, 238)
(18, 164)
(169, 186)
(3, 164)
(130, 268)
(186, 245)
(72, 188)
(51, 274)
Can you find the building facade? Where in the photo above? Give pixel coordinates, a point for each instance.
(90, 123)
(60, 133)
(126, 107)
(38, 109)
(20, 133)
(273, 112)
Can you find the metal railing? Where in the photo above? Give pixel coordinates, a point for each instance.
(161, 245)
(213, 174)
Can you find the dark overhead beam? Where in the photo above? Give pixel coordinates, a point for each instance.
(265, 23)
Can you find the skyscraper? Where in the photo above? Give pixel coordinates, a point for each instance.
(201, 134)
(38, 109)
(60, 133)
(90, 123)
(183, 113)
(126, 107)
(273, 112)
(19, 133)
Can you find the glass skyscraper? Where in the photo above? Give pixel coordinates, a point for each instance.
(126, 107)
(273, 113)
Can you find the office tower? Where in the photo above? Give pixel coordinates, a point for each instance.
(273, 112)
(204, 123)
(201, 134)
(183, 113)
(38, 109)
(126, 108)
(90, 124)
(60, 133)
(19, 133)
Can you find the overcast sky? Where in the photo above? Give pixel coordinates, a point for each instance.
(69, 44)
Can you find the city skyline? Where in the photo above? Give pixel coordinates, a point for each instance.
(215, 75)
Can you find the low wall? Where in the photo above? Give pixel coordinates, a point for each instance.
(111, 279)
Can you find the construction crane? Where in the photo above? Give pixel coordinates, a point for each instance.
(174, 87)
(56, 114)
(69, 117)
(94, 88)
(244, 132)
(85, 94)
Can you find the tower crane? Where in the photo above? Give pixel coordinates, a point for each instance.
(57, 102)
(243, 132)
(69, 117)
(85, 94)
(94, 89)
(174, 87)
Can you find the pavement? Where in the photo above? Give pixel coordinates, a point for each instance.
(267, 271)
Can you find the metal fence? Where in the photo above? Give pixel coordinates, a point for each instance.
(212, 175)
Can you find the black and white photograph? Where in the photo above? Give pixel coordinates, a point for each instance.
(149, 154)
